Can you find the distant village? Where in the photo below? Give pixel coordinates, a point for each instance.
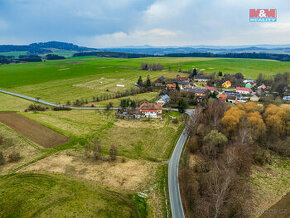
(197, 88)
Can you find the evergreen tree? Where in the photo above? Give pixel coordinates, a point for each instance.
(182, 105)
(148, 82)
(139, 82)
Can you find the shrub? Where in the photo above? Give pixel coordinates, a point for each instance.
(1, 140)
(193, 144)
(35, 107)
(261, 157)
(113, 152)
(2, 159)
(175, 121)
(14, 157)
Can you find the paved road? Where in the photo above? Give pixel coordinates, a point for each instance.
(173, 185)
(54, 105)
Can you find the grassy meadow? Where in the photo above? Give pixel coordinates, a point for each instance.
(49, 195)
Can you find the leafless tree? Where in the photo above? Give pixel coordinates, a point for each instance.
(191, 126)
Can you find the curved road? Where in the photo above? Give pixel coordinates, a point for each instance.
(173, 185)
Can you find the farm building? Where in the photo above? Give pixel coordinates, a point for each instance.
(152, 110)
(120, 85)
(243, 90)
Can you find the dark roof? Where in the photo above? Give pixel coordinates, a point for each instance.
(201, 77)
(200, 91)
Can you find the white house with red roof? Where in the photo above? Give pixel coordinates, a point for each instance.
(152, 110)
(243, 90)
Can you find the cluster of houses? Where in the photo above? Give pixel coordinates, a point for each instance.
(248, 91)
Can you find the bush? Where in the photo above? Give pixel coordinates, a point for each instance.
(1, 140)
(261, 157)
(113, 152)
(35, 107)
(2, 159)
(193, 144)
(14, 157)
(61, 108)
(175, 121)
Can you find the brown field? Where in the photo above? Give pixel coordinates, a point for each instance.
(130, 175)
(32, 130)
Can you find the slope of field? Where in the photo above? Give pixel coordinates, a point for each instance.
(11, 103)
(14, 142)
(32, 130)
(48, 195)
(85, 77)
(152, 139)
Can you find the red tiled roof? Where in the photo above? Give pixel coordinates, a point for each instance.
(150, 106)
(243, 89)
(209, 88)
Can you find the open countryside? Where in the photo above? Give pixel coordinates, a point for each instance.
(144, 109)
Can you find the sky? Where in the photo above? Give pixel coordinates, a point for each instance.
(119, 23)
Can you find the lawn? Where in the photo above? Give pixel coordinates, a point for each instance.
(49, 195)
(85, 77)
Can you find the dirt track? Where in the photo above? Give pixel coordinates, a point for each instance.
(32, 130)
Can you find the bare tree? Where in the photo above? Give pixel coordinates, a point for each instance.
(113, 152)
(97, 150)
(193, 121)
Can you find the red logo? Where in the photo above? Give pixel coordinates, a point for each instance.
(263, 15)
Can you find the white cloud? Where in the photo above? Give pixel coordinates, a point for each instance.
(138, 37)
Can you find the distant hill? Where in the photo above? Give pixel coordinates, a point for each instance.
(203, 49)
(42, 48)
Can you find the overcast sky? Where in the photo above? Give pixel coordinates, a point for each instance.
(115, 23)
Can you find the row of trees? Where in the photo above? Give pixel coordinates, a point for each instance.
(152, 67)
(94, 149)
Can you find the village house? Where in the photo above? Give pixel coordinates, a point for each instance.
(223, 97)
(243, 90)
(151, 110)
(203, 79)
(209, 88)
(182, 79)
(233, 99)
(163, 100)
(227, 84)
(173, 86)
(198, 92)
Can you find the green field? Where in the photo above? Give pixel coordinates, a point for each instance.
(48, 195)
(85, 77)
(13, 53)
